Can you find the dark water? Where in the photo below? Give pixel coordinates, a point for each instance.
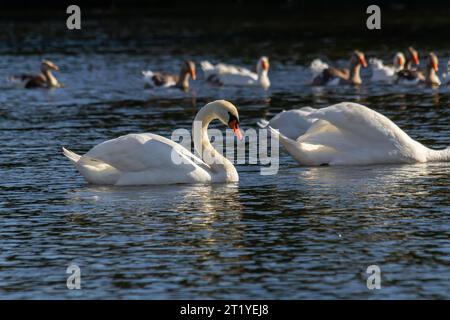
(303, 233)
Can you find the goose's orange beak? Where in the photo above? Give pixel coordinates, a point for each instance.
(265, 65)
(400, 61)
(363, 62)
(193, 74)
(234, 125)
(435, 66)
(416, 59)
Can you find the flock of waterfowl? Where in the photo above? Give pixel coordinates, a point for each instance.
(342, 134)
(404, 70)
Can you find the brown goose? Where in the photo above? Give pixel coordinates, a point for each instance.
(412, 57)
(181, 81)
(432, 67)
(45, 79)
(415, 76)
(410, 74)
(343, 76)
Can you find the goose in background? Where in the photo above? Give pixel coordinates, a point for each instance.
(386, 73)
(352, 134)
(428, 76)
(44, 79)
(432, 67)
(412, 58)
(331, 75)
(150, 159)
(410, 74)
(229, 75)
(167, 80)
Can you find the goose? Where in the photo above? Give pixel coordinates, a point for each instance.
(352, 134)
(45, 79)
(410, 75)
(224, 74)
(432, 67)
(345, 76)
(412, 57)
(150, 159)
(429, 76)
(386, 73)
(167, 80)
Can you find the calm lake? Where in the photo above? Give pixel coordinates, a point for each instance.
(305, 233)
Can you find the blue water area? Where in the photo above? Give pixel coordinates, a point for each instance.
(306, 232)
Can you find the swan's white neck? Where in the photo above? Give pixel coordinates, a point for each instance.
(221, 167)
(438, 155)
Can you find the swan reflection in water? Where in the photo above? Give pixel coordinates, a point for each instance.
(383, 186)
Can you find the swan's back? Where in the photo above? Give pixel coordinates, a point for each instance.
(293, 123)
(137, 159)
(350, 133)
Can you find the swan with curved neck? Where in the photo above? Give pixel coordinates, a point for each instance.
(150, 159)
(349, 134)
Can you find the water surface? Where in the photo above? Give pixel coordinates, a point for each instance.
(303, 233)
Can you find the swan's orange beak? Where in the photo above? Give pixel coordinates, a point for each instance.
(416, 59)
(234, 124)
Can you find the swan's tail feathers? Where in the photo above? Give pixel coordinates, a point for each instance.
(93, 170)
(263, 123)
(71, 155)
(206, 66)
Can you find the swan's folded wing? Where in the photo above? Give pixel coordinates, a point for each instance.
(363, 122)
(360, 135)
(324, 143)
(292, 123)
(143, 152)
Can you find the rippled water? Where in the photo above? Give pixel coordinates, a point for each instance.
(303, 233)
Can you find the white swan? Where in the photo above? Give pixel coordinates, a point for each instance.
(225, 74)
(149, 159)
(352, 134)
(387, 73)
